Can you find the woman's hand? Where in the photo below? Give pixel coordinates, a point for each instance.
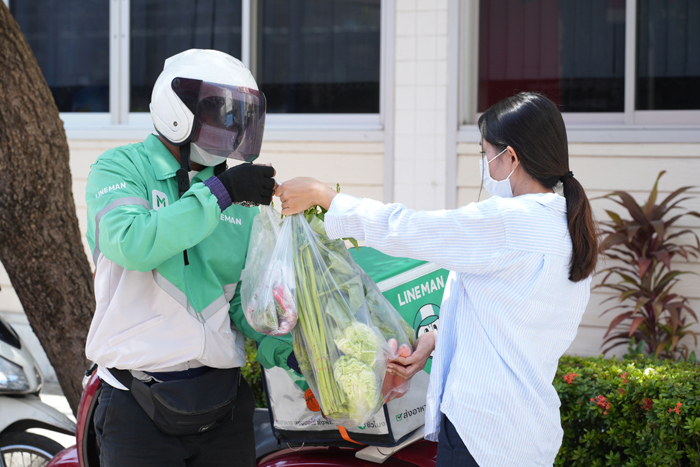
(407, 367)
(299, 194)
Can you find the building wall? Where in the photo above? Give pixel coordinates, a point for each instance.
(420, 140)
(601, 169)
(356, 166)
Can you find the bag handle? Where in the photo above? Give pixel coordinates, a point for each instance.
(346, 436)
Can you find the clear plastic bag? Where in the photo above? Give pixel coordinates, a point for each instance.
(347, 331)
(268, 286)
(394, 329)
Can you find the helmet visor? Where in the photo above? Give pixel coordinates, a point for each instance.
(229, 121)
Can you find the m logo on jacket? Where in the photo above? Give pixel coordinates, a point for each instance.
(160, 200)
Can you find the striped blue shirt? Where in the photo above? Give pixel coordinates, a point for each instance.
(508, 314)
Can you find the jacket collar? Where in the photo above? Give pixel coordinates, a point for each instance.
(164, 163)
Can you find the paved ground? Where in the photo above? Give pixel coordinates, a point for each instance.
(51, 394)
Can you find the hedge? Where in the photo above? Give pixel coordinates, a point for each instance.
(252, 373)
(628, 413)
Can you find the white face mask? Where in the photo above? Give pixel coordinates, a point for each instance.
(200, 156)
(500, 188)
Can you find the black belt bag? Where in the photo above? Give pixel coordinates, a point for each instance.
(187, 406)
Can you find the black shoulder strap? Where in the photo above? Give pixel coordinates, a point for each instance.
(183, 178)
(139, 390)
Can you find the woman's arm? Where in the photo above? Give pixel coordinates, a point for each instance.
(464, 239)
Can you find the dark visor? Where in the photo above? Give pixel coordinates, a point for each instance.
(229, 120)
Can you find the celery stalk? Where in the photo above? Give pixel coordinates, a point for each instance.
(330, 396)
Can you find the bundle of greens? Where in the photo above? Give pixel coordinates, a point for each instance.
(345, 326)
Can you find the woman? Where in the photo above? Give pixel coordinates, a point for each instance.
(520, 266)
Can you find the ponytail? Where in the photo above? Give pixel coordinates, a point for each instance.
(581, 229)
(534, 127)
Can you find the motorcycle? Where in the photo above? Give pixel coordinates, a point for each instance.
(414, 451)
(21, 409)
(411, 451)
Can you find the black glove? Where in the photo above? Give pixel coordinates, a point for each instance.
(249, 183)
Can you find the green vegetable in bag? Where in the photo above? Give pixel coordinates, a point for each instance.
(344, 326)
(361, 342)
(359, 382)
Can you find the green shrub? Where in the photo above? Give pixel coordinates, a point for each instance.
(631, 413)
(614, 413)
(252, 374)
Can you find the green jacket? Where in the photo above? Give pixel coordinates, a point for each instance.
(153, 312)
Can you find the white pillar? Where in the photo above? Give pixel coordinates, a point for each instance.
(420, 118)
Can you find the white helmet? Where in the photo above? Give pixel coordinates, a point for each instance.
(209, 98)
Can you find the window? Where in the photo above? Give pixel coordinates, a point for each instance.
(668, 55)
(70, 40)
(308, 56)
(319, 56)
(602, 61)
(163, 28)
(571, 51)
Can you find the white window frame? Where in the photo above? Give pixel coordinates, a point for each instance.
(120, 124)
(643, 126)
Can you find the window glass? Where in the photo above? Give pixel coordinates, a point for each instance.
(70, 40)
(668, 55)
(163, 28)
(319, 56)
(572, 51)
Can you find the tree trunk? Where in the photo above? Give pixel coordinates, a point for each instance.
(40, 241)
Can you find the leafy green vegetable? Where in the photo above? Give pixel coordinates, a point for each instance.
(329, 294)
(361, 342)
(302, 355)
(343, 324)
(311, 319)
(385, 322)
(359, 382)
(315, 216)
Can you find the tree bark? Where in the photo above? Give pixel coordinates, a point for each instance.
(40, 241)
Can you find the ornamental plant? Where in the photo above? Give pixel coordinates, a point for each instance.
(643, 277)
(631, 413)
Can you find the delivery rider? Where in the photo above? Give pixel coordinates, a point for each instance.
(169, 229)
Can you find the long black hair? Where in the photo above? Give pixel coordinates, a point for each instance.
(533, 126)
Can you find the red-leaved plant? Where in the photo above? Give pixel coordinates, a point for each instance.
(643, 249)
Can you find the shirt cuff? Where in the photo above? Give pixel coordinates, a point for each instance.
(217, 189)
(342, 205)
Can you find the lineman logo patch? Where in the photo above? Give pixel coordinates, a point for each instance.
(159, 200)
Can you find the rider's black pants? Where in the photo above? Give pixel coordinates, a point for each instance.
(127, 437)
